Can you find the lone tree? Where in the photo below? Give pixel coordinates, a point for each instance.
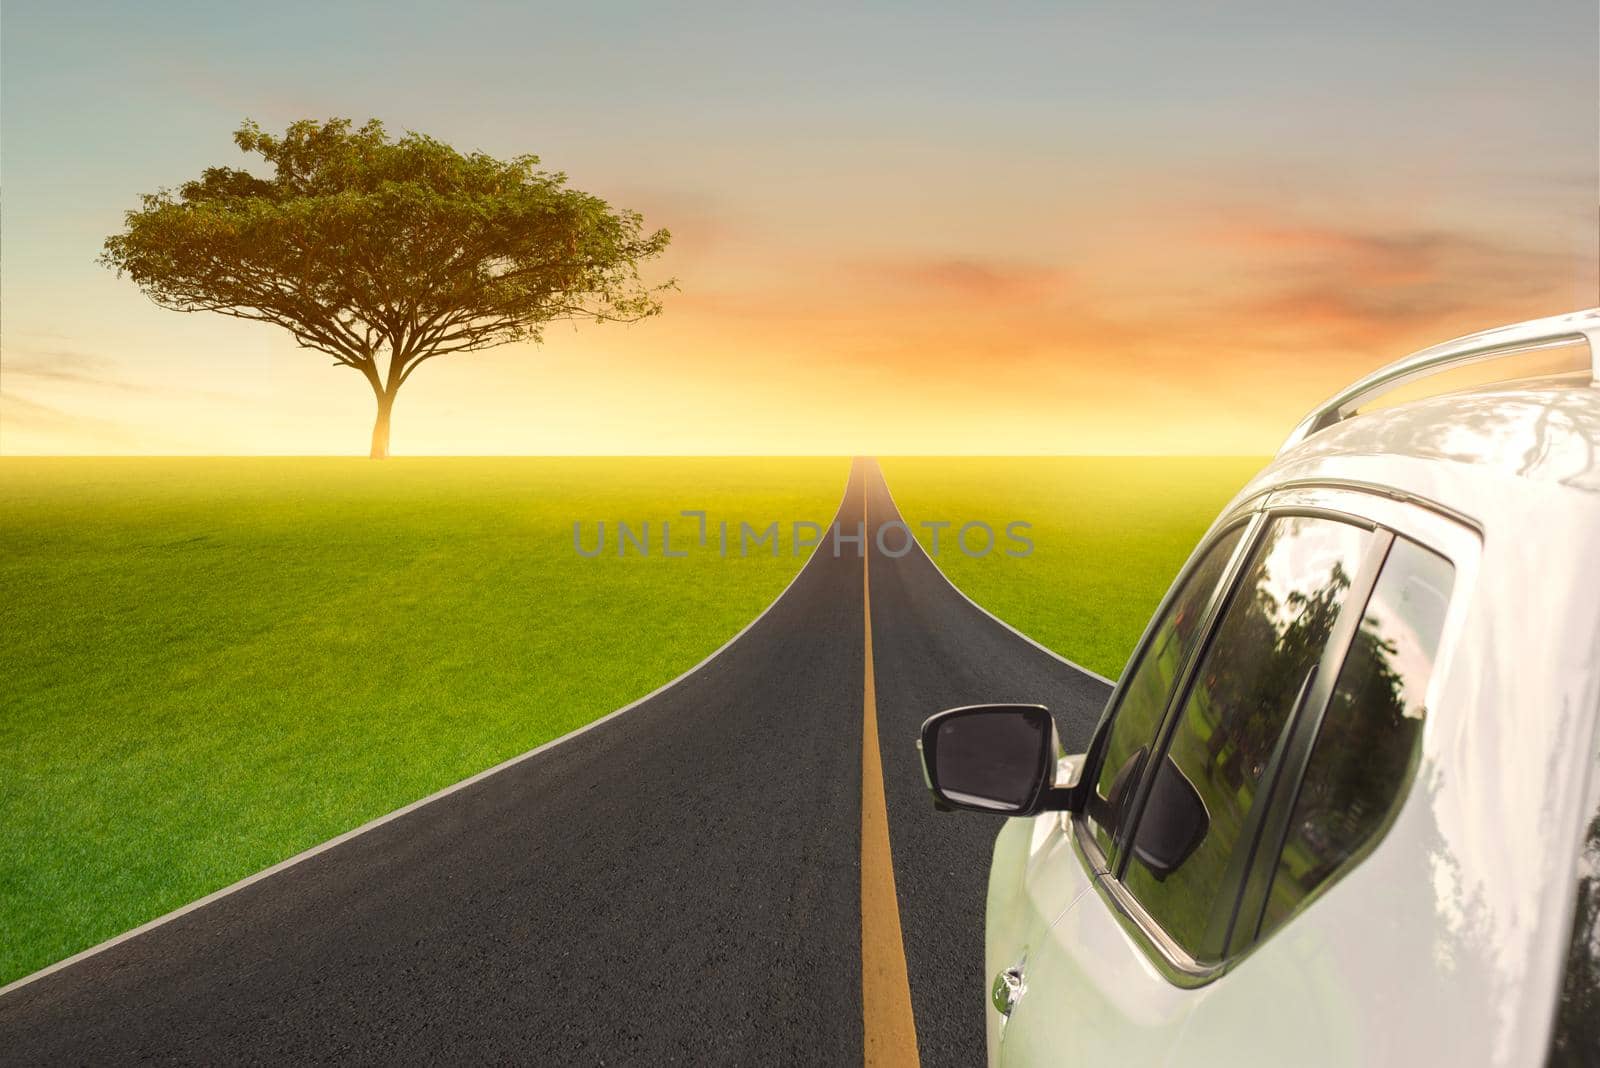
(385, 254)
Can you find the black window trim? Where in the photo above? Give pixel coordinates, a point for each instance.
(1172, 959)
(1249, 934)
(1452, 535)
(1242, 863)
(1185, 680)
(1269, 821)
(1251, 520)
(1577, 951)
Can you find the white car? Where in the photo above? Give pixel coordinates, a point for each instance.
(1343, 806)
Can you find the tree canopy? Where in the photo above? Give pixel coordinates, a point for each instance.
(386, 253)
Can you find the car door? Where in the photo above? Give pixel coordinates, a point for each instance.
(1337, 952)
(1179, 776)
(1057, 875)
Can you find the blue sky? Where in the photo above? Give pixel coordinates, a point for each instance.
(978, 210)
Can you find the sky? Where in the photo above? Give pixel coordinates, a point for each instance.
(1062, 228)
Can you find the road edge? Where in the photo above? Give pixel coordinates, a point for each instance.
(1043, 649)
(375, 823)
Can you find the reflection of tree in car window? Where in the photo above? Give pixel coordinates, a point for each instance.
(1144, 698)
(1367, 744)
(1243, 697)
(1577, 1030)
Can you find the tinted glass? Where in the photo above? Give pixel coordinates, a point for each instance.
(1144, 699)
(991, 759)
(1243, 695)
(1367, 744)
(1576, 1037)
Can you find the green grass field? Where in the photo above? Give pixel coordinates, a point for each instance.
(1109, 535)
(212, 664)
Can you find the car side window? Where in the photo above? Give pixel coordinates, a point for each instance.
(1369, 738)
(1575, 1039)
(1257, 669)
(1144, 699)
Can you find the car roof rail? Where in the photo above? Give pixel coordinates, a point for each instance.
(1551, 332)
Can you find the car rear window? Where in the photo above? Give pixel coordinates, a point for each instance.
(1368, 741)
(1576, 1037)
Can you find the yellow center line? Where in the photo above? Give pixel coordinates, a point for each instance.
(889, 1030)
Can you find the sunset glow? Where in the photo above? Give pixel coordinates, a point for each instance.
(918, 231)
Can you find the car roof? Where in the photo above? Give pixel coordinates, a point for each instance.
(1473, 452)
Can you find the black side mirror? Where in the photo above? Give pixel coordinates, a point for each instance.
(991, 758)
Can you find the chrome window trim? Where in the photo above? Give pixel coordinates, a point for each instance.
(1164, 954)
(1372, 489)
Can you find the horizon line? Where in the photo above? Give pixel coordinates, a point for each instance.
(624, 455)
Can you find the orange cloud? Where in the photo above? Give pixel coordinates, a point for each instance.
(971, 278)
(1167, 336)
(1353, 287)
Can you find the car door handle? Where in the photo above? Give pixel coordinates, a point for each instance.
(1009, 986)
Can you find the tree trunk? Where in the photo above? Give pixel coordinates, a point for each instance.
(380, 429)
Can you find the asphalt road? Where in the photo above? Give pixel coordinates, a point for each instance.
(679, 884)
